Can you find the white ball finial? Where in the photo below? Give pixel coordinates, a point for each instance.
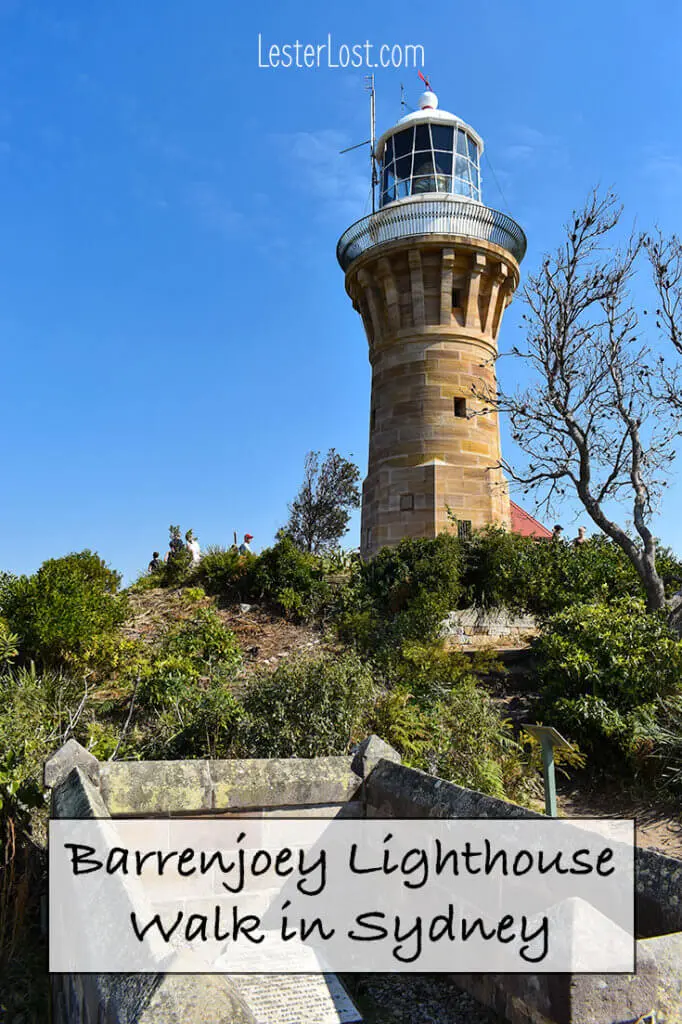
(428, 100)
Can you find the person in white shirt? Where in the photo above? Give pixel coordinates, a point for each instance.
(193, 547)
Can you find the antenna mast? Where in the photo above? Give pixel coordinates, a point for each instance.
(369, 86)
(371, 141)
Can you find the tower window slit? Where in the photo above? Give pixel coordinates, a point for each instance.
(461, 408)
(464, 529)
(456, 298)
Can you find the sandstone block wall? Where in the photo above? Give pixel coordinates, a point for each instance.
(432, 308)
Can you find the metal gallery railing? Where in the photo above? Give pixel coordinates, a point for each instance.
(441, 216)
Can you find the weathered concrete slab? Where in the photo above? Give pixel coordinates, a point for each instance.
(148, 788)
(394, 791)
(279, 782)
(193, 787)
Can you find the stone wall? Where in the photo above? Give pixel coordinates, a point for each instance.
(460, 625)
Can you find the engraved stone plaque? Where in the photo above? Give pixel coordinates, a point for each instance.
(297, 998)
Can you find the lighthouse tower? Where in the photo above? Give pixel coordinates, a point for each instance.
(431, 272)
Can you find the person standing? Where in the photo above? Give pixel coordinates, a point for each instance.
(581, 538)
(155, 563)
(192, 545)
(245, 546)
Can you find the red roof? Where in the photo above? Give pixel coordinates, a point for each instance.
(526, 525)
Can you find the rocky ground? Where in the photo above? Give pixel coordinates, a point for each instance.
(414, 999)
(265, 639)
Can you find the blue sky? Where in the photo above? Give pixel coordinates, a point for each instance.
(174, 329)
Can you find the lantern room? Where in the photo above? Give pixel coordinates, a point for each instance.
(429, 152)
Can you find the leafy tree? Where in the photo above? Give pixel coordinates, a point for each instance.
(602, 413)
(318, 516)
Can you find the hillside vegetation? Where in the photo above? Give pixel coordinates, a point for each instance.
(294, 654)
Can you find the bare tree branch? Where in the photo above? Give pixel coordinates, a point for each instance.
(603, 411)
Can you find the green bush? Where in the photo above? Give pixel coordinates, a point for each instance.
(307, 708)
(602, 668)
(441, 721)
(289, 581)
(182, 692)
(544, 577)
(58, 612)
(401, 596)
(176, 570)
(205, 641)
(613, 651)
(225, 574)
(9, 645)
(39, 709)
(663, 731)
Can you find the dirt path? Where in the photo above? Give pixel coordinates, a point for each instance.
(657, 826)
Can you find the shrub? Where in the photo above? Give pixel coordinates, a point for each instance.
(307, 707)
(603, 667)
(176, 570)
(38, 711)
(8, 645)
(665, 735)
(58, 612)
(613, 651)
(401, 595)
(443, 722)
(205, 641)
(182, 689)
(210, 724)
(544, 577)
(288, 580)
(146, 581)
(224, 573)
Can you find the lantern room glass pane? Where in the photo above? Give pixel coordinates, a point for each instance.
(444, 162)
(442, 136)
(388, 152)
(462, 143)
(473, 151)
(403, 166)
(422, 137)
(423, 164)
(402, 142)
(461, 167)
